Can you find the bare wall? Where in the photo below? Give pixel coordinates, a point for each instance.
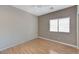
(16, 26)
(69, 38)
(78, 25)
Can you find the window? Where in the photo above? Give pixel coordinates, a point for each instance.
(54, 25)
(60, 25)
(64, 24)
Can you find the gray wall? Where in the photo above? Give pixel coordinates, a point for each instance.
(16, 26)
(69, 38)
(78, 25)
(78, 31)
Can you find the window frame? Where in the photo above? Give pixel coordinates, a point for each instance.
(58, 25)
(50, 25)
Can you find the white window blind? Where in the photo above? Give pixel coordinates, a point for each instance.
(64, 25)
(60, 25)
(54, 25)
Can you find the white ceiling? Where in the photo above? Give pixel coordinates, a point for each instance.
(38, 10)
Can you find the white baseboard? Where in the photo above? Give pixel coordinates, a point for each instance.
(58, 42)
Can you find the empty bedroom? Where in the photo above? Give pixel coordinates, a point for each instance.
(39, 29)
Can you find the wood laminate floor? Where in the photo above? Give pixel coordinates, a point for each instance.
(40, 46)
